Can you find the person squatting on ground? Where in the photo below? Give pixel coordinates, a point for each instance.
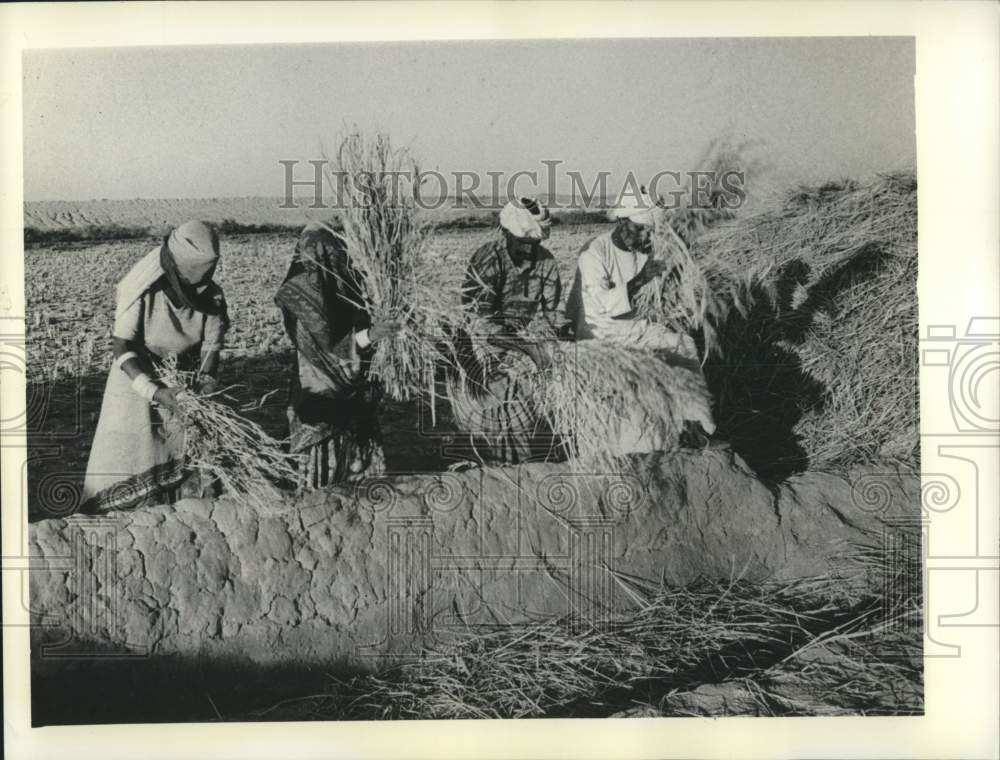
(167, 307)
(513, 284)
(611, 269)
(333, 404)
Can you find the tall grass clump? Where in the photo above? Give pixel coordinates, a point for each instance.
(388, 243)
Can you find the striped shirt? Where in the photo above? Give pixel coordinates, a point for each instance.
(509, 296)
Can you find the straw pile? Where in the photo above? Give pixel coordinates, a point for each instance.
(227, 448)
(827, 336)
(794, 648)
(595, 387)
(806, 314)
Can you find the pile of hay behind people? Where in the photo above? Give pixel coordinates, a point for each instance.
(807, 315)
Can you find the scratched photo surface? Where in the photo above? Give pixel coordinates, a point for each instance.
(477, 380)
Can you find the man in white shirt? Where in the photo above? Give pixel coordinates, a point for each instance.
(611, 269)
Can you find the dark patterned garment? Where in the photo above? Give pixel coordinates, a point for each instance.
(333, 405)
(508, 295)
(488, 404)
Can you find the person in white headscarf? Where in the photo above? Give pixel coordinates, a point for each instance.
(611, 268)
(513, 284)
(167, 307)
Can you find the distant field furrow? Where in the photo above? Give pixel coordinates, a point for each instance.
(84, 219)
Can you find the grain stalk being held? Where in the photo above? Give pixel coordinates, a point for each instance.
(224, 446)
(388, 243)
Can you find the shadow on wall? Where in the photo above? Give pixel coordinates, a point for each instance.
(762, 390)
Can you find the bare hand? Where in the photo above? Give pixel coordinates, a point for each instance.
(207, 385)
(384, 330)
(654, 268)
(167, 398)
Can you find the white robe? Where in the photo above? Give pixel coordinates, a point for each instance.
(601, 295)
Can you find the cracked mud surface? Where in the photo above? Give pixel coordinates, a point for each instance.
(355, 575)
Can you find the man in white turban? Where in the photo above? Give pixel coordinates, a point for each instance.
(611, 269)
(513, 284)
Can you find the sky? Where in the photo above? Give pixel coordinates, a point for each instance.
(214, 121)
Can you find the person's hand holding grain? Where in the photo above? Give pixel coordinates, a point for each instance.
(653, 268)
(167, 398)
(207, 385)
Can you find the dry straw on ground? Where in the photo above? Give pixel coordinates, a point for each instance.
(793, 648)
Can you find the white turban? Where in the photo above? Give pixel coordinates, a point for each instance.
(526, 218)
(639, 208)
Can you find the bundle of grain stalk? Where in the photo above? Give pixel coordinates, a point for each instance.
(694, 297)
(387, 240)
(597, 394)
(684, 299)
(225, 447)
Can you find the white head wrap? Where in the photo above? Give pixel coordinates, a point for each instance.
(526, 218)
(639, 208)
(195, 249)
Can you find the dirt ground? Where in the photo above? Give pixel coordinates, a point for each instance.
(70, 297)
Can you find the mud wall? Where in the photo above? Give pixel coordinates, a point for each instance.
(366, 574)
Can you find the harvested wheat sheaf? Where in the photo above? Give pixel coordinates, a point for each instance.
(224, 446)
(596, 387)
(388, 242)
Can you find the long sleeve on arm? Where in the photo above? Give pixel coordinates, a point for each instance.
(482, 288)
(551, 294)
(129, 323)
